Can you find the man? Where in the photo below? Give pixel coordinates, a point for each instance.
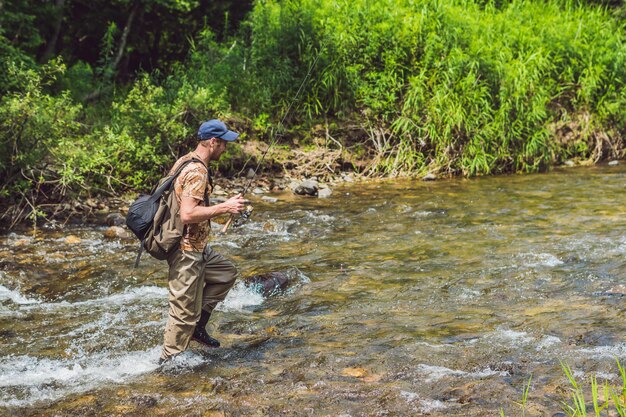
(199, 277)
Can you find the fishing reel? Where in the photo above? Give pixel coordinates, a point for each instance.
(244, 216)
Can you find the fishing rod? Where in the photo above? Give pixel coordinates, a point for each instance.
(246, 213)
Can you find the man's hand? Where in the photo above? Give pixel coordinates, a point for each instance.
(192, 212)
(234, 204)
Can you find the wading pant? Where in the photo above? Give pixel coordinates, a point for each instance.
(197, 280)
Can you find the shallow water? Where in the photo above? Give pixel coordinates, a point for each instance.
(409, 298)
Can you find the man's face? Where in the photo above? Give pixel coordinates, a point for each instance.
(219, 146)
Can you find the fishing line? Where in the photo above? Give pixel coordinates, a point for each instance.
(275, 136)
(282, 121)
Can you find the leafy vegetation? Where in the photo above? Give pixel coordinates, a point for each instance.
(592, 399)
(603, 398)
(100, 97)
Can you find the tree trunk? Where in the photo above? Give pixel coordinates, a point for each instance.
(154, 53)
(124, 40)
(52, 44)
(118, 55)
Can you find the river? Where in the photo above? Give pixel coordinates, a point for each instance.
(408, 298)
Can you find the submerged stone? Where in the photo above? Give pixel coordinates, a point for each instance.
(147, 401)
(324, 193)
(214, 413)
(308, 187)
(115, 219)
(71, 239)
(354, 372)
(269, 283)
(116, 232)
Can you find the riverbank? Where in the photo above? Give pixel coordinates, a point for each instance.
(289, 168)
(318, 167)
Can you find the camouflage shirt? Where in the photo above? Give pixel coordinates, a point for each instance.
(193, 182)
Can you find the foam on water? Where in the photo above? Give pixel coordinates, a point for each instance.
(184, 361)
(606, 352)
(316, 215)
(42, 379)
(428, 406)
(91, 245)
(240, 298)
(409, 396)
(607, 376)
(507, 337)
(130, 296)
(544, 344)
(28, 379)
(13, 237)
(435, 373)
(547, 342)
(422, 213)
(550, 346)
(15, 297)
(229, 244)
(596, 248)
(272, 228)
(469, 294)
(533, 260)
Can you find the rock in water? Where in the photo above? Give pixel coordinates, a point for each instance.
(308, 187)
(269, 283)
(71, 239)
(116, 232)
(115, 219)
(324, 193)
(355, 372)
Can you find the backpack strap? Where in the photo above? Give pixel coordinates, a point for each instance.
(168, 182)
(166, 186)
(206, 190)
(139, 252)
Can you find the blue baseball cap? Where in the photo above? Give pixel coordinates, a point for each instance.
(216, 129)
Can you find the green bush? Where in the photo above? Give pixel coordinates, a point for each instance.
(34, 128)
(12, 62)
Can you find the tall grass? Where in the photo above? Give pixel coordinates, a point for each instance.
(459, 87)
(602, 398)
(591, 399)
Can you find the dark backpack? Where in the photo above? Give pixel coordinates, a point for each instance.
(154, 218)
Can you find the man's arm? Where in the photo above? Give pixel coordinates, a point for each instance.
(192, 212)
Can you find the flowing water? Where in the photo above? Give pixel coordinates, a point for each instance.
(407, 298)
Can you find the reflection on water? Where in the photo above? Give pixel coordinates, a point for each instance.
(409, 298)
